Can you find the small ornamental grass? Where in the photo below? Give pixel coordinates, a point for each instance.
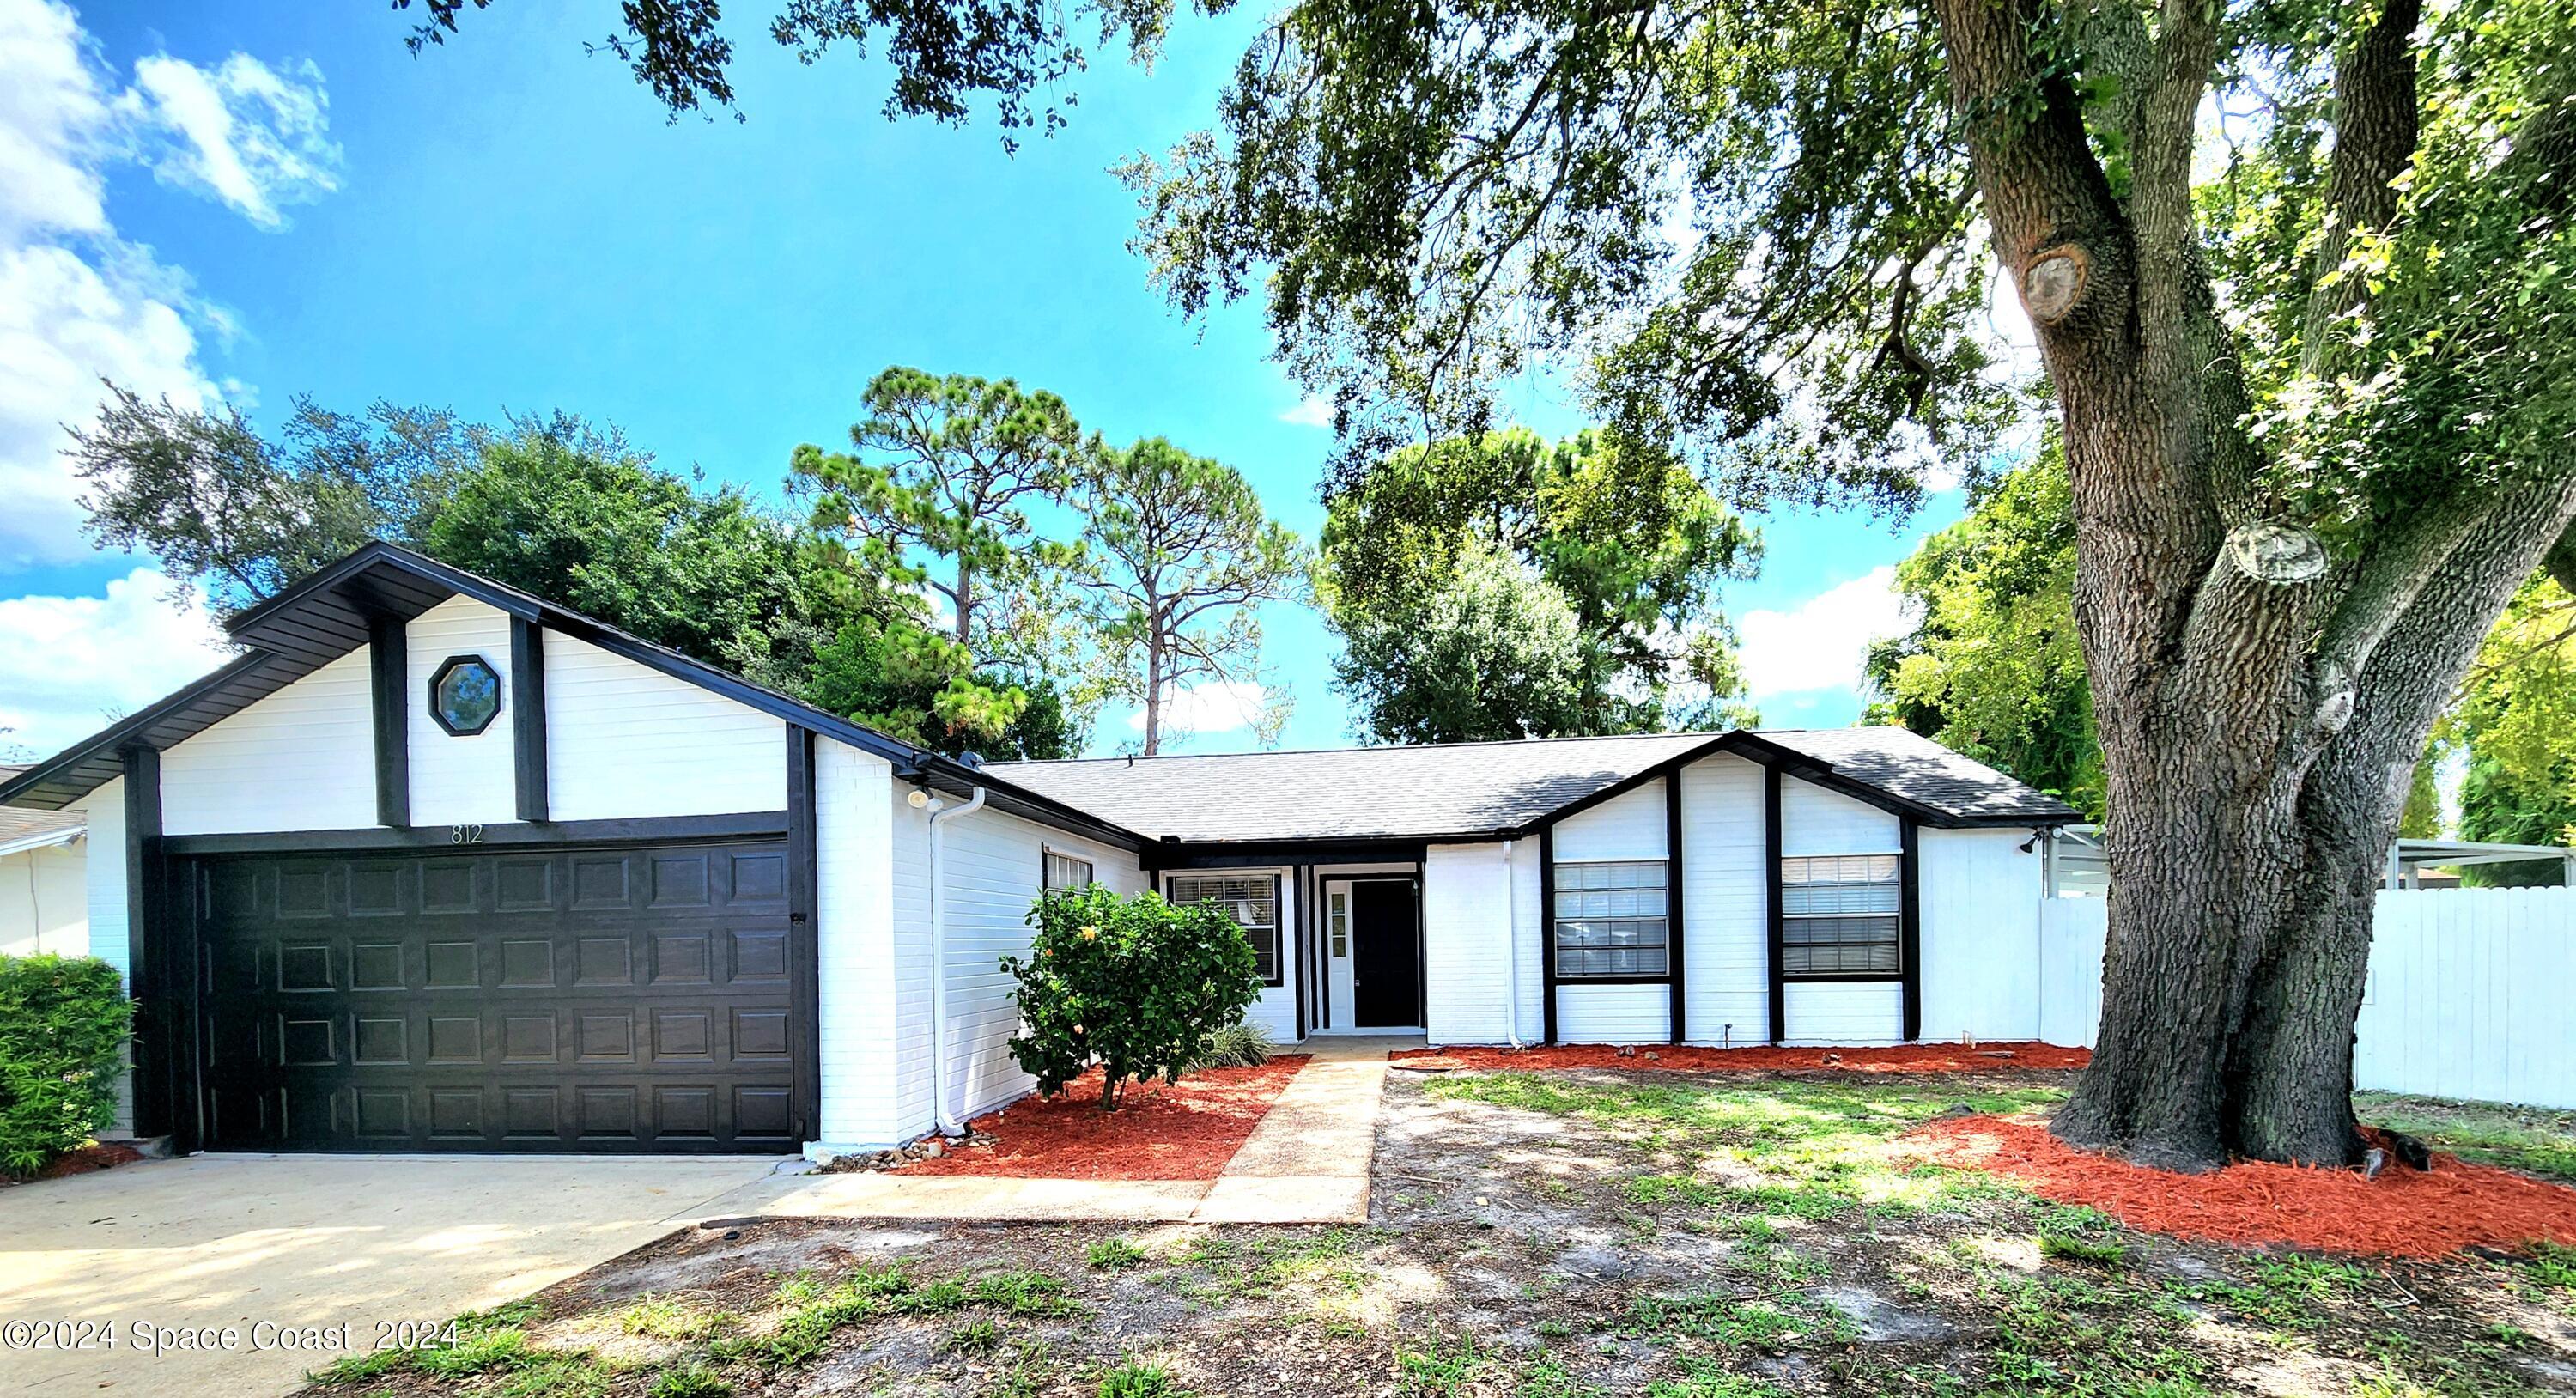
(1137, 985)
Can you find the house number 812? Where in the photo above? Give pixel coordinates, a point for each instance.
(465, 834)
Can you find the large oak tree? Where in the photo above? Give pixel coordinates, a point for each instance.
(2300, 277)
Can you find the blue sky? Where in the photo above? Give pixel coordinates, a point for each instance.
(286, 201)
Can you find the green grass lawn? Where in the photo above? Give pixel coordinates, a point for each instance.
(2534, 1140)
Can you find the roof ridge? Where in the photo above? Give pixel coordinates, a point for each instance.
(1387, 747)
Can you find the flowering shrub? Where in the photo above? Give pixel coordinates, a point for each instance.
(1136, 985)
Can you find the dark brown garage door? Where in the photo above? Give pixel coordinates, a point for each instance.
(524, 999)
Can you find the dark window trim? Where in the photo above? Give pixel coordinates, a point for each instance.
(1905, 957)
(1844, 977)
(450, 666)
(1278, 978)
(1047, 852)
(1672, 879)
(1909, 924)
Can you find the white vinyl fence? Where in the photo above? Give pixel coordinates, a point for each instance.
(2472, 991)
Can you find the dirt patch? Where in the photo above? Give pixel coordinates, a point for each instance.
(2403, 1213)
(1161, 1131)
(1907, 1058)
(1548, 1235)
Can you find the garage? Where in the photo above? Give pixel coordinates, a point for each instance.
(529, 998)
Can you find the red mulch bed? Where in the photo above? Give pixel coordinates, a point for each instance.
(98, 1155)
(1905, 1058)
(1161, 1131)
(2403, 1213)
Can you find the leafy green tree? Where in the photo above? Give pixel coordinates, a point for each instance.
(244, 516)
(1495, 652)
(940, 488)
(2516, 725)
(576, 514)
(1993, 666)
(1629, 542)
(2313, 359)
(903, 678)
(1138, 986)
(1184, 558)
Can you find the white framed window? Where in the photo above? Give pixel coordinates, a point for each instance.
(1841, 914)
(1253, 902)
(1613, 918)
(1066, 873)
(1341, 922)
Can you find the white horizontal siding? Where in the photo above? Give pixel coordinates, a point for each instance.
(1613, 1014)
(991, 865)
(624, 740)
(1844, 1012)
(459, 780)
(1726, 949)
(44, 901)
(1816, 821)
(1979, 923)
(103, 874)
(1627, 826)
(855, 934)
(1465, 944)
(303, 758)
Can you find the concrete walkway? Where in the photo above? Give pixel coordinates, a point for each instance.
(1307, 1162)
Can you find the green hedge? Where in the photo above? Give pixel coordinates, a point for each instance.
(63, 1024)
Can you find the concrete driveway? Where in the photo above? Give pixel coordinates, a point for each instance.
(309, 1241)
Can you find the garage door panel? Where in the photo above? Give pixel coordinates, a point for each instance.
(588, 1000)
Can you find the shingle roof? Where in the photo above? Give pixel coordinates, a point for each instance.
(1907, 765)
(17, 826)
(1414, 793)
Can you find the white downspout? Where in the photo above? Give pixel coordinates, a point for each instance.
(939, 815)
(1511, 946)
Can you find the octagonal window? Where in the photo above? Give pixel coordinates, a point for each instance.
(465, 695)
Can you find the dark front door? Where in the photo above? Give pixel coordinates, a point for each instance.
(1386, 955)
(574, 999)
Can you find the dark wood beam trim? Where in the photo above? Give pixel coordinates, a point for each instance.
(1304, 959)
(388, 650)
(1675, 921)
(1547, 932)
(1909, 924)
(1778, 934)
(804, 940)
(152, 980)
(635, 830)
(528, 717)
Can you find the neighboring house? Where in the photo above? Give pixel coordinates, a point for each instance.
(44, 903)
(438, 865)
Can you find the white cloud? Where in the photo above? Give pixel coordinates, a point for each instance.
(1825, 641)
(1208, 708)
(248, 135)
(65, 325)
(55, 124)
(1311, 412)
(77, 303)
(71, 665)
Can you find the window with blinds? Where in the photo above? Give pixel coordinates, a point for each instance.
(1839, 914)
(1252, 901)
(1613, 919)
(1066, 874)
